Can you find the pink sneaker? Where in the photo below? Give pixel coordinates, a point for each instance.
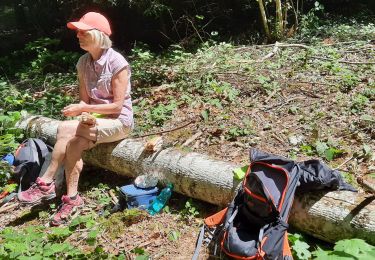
(38, 193)
(66, 210)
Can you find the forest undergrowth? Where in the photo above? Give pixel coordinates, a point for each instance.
(299, 98)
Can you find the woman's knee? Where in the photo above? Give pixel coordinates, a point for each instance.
(78, 144)
(67, 129)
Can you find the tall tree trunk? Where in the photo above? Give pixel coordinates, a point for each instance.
(264, 19)
(329, 216)
(279, 20)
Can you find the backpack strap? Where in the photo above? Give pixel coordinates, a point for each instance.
(260, 239)
(213, 220)
(43, 148)
(198, 244)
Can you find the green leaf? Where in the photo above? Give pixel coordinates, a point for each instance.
(353, 246)
(59, 232)
(367, 118)
(294, 237)
(321, 147)
(239, 173)
(142, 257)
(367, 151)
(55, 248)
(301, 249)
(205, 113)
(320, 254)
(331, 153)
(93, 234)
(174, 235)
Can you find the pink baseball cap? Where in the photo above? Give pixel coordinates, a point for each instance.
(90, 21)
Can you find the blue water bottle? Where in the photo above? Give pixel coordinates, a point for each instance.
(161, 200)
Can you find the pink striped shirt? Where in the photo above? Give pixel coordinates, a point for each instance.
(97, 76)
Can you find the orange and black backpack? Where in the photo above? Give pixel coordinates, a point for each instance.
(254, 225)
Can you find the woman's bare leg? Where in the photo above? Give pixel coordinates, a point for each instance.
(84, 140)
(66, 131)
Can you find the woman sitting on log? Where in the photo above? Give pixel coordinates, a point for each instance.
(104, 88)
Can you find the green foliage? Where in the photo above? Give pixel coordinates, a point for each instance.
(323, 149)
(268, 84)
(299, 246)
(46, 67)
(5, 174)
(154, 8)
(314, 26)
(117, 223)
(174, 235)
(161, 113)
(235, 131)
(347, 249)
(221, 89)
(141, 253)
(310, 22)
(359, 103)
(369, 92)
(343, 249)
(33, 242)
(38, 242)
(100, 194)
(38, 58)
(348, 80)
(239, 173)
(9, 141)
(190, 211)
(9, 134)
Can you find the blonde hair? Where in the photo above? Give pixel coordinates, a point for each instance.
(101, 39)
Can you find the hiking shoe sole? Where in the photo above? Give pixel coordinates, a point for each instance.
(39, 201)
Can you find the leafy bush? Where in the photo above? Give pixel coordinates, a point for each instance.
(326, 150)
(343, 249)
(347, 249)
(316, 24)
(39, 57)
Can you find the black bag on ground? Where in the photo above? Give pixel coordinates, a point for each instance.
(28, 161)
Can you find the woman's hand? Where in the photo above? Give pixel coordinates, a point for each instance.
(74, 109)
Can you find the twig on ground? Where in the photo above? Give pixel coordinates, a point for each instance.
(271, 54)
(312, 83)
(345, 162)
(192, 139)
(357, 50)
(281, 103)
(113, 196)
(367, 186)
(271, 95)
(166, 131)
(281, 45)
(5, 208)
(278, 138)
(344, 61)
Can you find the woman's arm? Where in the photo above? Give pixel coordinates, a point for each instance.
(83, 95)
(119, 87)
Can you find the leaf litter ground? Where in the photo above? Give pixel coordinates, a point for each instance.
(298, 102)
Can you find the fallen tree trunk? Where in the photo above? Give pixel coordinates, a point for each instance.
(329, 216)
